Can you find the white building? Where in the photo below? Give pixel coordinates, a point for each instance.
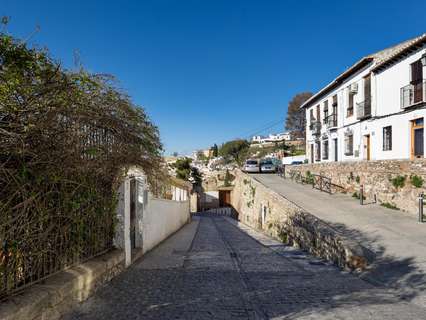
(374, 110)
(286, 136)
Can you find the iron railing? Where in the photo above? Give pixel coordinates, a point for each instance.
(317, 181)
(321, 183)
(57, 243)
(315, 127)
(331, 121)
(36, 243)
(363, 109)
(413, 94)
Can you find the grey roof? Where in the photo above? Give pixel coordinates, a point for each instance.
(380, 60)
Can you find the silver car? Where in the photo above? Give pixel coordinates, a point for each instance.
(251, 166)
(268, 165)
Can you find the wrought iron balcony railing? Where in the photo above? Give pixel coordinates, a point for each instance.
(331, 121)
(363, 109)
(413, 94)
(315, 127)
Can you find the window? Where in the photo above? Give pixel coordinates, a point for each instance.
(416, 72)
(325, 149)
(350, 110)
(317, 151)
(318, 113)
(311, 115)
(325, 111)
(367, 95)
(387, 138)
(417, 81)
(335, 105)
(349, 144)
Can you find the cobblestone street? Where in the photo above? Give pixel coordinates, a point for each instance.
(232, 272)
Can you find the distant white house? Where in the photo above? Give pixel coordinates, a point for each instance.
(272, 138)
(374, 110)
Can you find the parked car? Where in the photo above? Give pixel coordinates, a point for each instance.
(296, 162)
(267, 165)
(251, 165)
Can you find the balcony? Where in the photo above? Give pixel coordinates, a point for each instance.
(331, 121)
(315, 127)
(363, 109)
(413, 94)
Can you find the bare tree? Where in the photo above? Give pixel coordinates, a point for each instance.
(295, 121)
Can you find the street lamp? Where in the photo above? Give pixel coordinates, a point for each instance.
(423, 59)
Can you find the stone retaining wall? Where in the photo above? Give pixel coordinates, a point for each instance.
(377, 177)
(56, 295)
(264, 209)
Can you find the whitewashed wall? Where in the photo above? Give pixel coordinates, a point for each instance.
(162, 218)
(289, 160)
(343, 122)
(386, 111)
(154, 220)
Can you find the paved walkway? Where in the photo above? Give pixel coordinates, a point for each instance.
(398, 240)
(216, 268)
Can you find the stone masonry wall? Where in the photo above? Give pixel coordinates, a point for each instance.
(52, 298)
(264, 209)
(378, 179)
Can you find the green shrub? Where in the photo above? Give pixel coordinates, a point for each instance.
(389, 205)
(398, 181)
(309, 177)
(357, 179)
(416, 181)
(283, 236)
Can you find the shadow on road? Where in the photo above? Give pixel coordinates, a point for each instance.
(265, 285)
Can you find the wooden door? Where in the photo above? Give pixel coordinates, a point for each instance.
(417, 138)
(367, 146)
(224, 198)
(417, 81)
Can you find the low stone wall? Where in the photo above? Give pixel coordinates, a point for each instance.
(266, 210)
(56, 295)
(379, 178)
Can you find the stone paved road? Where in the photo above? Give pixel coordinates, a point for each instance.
(228, 274)
(395, 237)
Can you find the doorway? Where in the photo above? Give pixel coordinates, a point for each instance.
(224, 198)
(367, 147)
(335, 149)
(133, 197)
(417, 138)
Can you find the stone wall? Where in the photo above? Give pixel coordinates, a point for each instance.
(264, 209)
(379, 179)
(56, 295)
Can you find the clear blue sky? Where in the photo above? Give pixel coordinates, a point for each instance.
(208, 71)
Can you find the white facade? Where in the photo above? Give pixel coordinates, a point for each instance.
(385, 123)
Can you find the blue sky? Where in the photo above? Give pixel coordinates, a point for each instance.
(207, 71)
